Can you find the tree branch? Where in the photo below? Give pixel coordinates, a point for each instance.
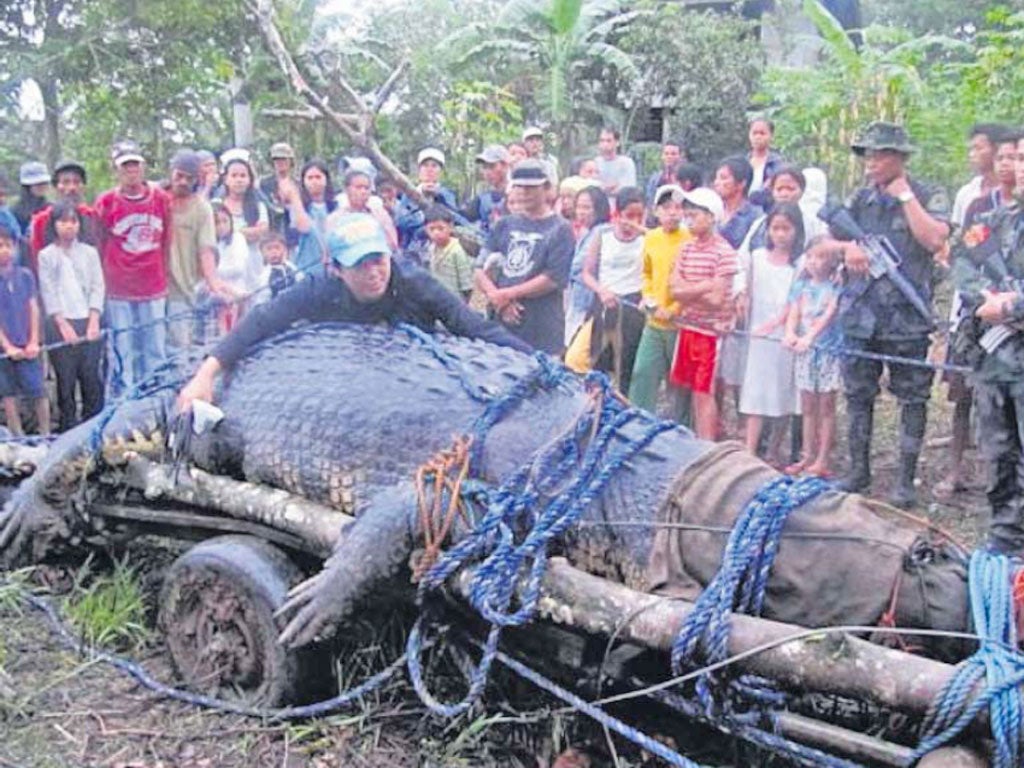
(389, 85)
(359, 132)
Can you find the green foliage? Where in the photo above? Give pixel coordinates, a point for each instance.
(703, 67)
(949, 17)
(560, 52)
(111, 610)
(936, 85)
(477, 114)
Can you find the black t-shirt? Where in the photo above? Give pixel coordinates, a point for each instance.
(520, 248)
(413, 296)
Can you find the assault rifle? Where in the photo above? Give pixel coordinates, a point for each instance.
(989, 259)
(883, 260)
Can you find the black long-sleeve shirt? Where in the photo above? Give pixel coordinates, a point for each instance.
(413, 296)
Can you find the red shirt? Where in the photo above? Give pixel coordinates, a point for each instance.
(135, 237)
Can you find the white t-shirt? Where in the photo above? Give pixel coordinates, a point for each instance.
(620, 263)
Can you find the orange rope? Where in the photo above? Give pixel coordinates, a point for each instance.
(436, 523)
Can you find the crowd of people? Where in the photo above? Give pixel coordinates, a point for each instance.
(716, 295)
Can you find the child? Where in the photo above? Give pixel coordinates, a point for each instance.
(233, 259)
(768, 389)
(447, 260)
(72, 288)
(21, 370)
(658, 340)
(279, 273)
(701, 282)
(810, 332)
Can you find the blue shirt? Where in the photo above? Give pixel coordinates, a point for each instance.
(17, 290)
(735, 229)
(814, 299)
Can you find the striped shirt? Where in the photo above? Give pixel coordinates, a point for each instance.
(707, 259)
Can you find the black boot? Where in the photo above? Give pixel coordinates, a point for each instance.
(912, 424)
(903, 494)
(861, 416)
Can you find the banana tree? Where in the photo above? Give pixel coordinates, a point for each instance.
(565, 44)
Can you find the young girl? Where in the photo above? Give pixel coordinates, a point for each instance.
(249, 214)
(810, 332)
(308, 208)
(613, 271)
(73, 291)
(232, 270)
(768, 388)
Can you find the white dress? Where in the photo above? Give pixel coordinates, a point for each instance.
(769, 380)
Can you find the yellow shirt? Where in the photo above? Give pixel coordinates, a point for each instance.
(660, 251)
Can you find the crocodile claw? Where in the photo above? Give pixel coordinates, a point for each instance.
(314, 609)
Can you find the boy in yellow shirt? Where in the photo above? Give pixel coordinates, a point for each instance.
(658, 341)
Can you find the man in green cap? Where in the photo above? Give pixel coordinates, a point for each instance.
(878, 318)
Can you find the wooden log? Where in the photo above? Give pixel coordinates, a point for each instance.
(826, 663)
(953, 757)
(317, 524)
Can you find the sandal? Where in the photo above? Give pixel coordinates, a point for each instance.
(796, 468)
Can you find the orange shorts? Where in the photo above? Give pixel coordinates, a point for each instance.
(693, 366)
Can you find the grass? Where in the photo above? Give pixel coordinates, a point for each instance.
(111, 610)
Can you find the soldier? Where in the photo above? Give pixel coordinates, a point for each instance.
(875, 316)
(992, 246)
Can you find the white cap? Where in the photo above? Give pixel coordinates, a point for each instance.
(430, 153)
(532, 131)
(235, 153)
(708, 199)
(674, 190)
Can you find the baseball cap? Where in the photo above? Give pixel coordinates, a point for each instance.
(282, 150)
(674, 190)
(430, 153)
(529, 173)
(126, 152)
(493, 153)
(33, 172)
(532, 131)
(235, 153)
(186, 161)
(708, 199)
(69, 165)
(353, 237)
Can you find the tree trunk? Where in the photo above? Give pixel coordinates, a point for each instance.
(51, 120)
(833, 663)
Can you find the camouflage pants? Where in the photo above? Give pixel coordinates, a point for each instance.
(1000, 440)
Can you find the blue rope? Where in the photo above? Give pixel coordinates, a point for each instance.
(996, 664)
(139, 673)
(742, 578)
(514, 563)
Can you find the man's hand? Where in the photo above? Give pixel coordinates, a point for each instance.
(898, 186)
(200, 387)
(802, 344)
(856, 261)
(13, 352)
(31, 351)
(499, 298)
(992, 310)
(663, 315)
(92, 328)
(512, 314)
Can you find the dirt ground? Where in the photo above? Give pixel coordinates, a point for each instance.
(59, 710)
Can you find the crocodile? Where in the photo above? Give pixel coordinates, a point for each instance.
(344, 415)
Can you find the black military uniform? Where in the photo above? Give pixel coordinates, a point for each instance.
(999, 372)
(876, 317)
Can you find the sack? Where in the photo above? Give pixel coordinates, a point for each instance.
(577, 356)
